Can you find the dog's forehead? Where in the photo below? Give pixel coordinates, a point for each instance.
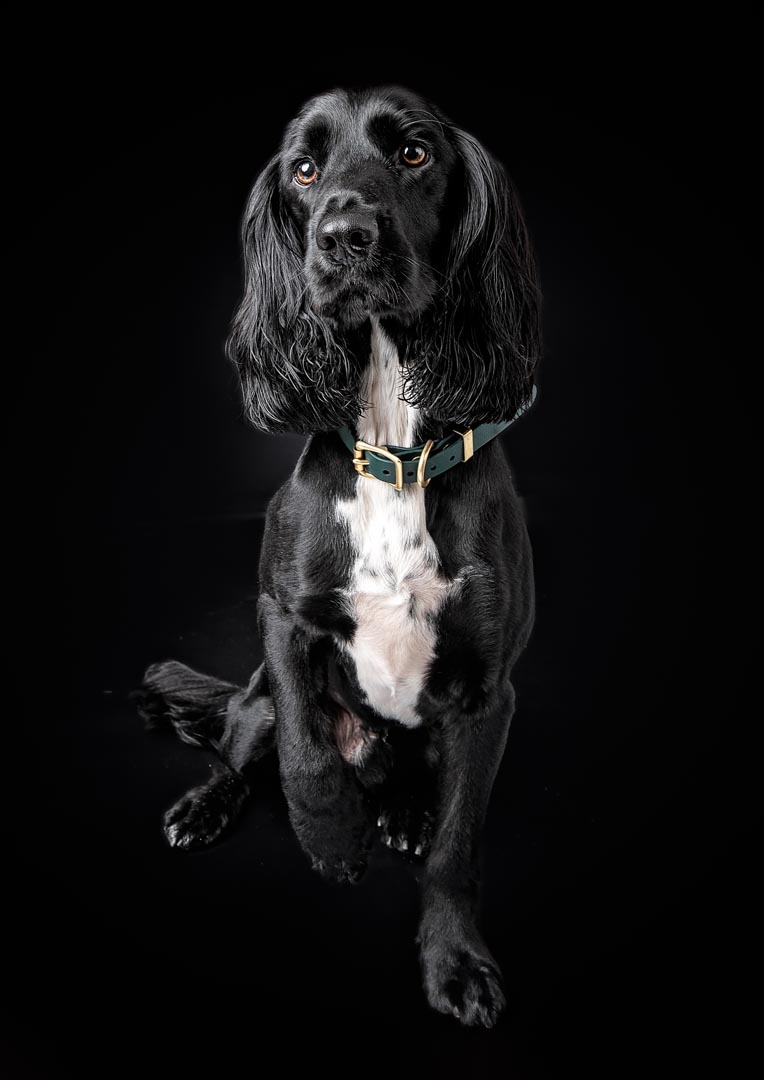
(361, 121)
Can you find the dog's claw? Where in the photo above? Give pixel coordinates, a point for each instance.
(406, 831)
(201, 816)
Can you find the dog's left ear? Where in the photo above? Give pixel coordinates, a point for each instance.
(473, 355)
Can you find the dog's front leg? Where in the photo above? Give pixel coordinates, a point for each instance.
(460, 975)
(327, 807)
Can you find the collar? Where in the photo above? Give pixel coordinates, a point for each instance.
(399, 465)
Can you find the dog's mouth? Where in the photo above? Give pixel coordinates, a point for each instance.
(351, 303)
(355, 294)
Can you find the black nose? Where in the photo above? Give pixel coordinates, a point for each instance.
(347, 236)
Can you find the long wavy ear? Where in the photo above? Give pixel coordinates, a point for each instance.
(296, 375)
(473, 355)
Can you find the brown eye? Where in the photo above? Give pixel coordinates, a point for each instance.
(306, 173)
(413, 154)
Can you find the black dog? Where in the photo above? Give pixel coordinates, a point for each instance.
(391, 311)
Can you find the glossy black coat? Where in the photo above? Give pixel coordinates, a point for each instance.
(466, 330)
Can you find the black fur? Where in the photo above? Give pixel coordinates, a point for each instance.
(440, 254)
(455, 277)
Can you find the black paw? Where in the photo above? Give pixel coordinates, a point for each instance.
(463, 983)
(343, 871)
(335, 833)
(406, 830)
(202, 814)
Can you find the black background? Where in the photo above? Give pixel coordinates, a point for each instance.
(620, 814)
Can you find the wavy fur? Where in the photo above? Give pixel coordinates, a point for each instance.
(296, 373)
(470, 338)
(473, 354)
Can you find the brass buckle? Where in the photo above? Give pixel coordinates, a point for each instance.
(469, 449)
(423, 464)
(360, 462)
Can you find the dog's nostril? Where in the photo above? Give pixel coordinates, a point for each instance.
(365, 234)
(326, 241)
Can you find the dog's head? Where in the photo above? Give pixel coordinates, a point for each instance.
(377, 205)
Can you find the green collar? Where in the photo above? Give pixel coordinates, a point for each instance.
(399, 465)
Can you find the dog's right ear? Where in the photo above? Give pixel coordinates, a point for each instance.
(295, 374)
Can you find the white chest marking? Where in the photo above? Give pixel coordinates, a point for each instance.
(396, 584)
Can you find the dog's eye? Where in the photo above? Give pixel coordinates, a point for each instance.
(306, 173)
(413, 154)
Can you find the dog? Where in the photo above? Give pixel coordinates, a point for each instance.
(391, 311)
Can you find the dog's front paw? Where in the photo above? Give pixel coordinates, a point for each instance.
(201, 815)
(336, 838)
(464, 982)
(343, 871)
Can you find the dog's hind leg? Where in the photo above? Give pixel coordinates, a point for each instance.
(248, 732)
(237, 723)
(408, 796)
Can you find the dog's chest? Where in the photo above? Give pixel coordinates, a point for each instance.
(396, 585)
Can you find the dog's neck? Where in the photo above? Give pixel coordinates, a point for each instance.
(387, 419)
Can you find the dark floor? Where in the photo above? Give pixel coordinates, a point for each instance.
(602, 861)
(622, 815)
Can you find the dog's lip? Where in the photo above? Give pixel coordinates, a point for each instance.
(341, 292)
(353, 307)
(337, 276)
(366, 298)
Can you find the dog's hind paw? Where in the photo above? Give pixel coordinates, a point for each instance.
(203, 813)
(406, 830)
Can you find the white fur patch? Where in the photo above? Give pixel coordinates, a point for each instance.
(396, 584)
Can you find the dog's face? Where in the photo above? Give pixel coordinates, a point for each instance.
(378, 206)
(366, 178)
